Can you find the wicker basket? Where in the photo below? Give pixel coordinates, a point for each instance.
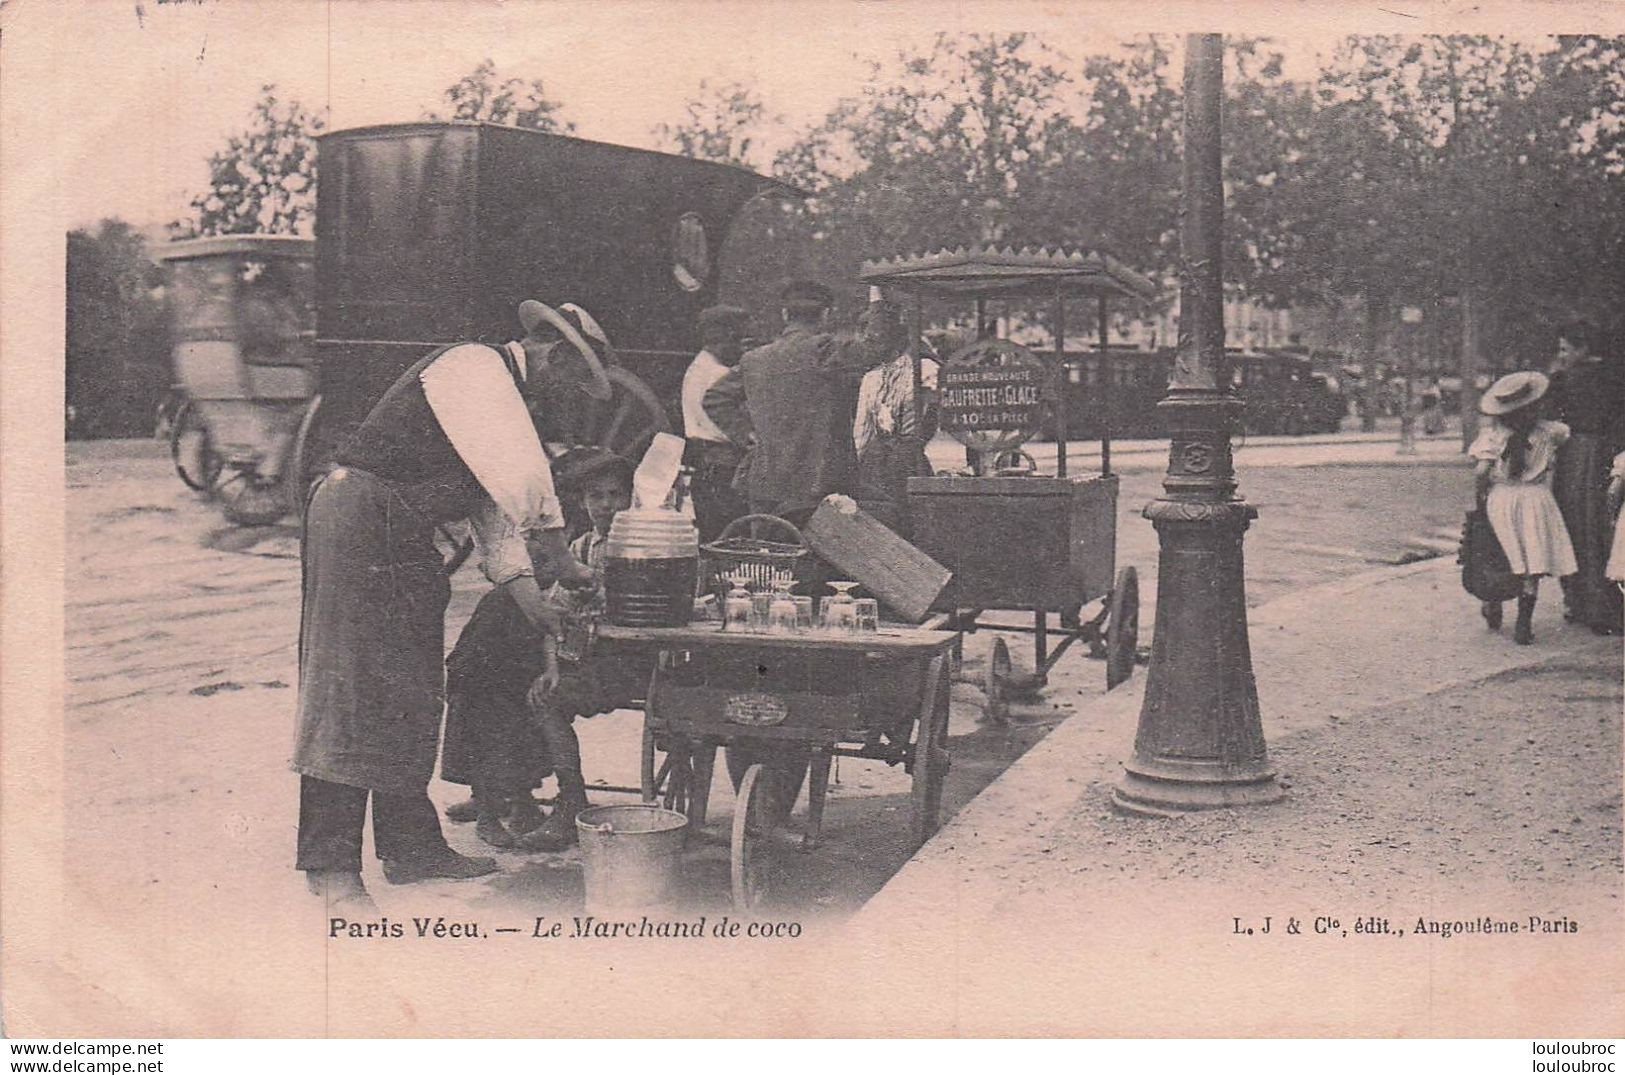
(766, 565)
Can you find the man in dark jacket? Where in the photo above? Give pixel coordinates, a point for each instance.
(791, 403)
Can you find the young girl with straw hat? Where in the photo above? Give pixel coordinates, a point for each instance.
(1516, 454)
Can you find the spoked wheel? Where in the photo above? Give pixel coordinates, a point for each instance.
(751, 859)
(997, 684)
(1123, 627)
(250, 499)
(931, 757)
(625, 423)
(192, 452)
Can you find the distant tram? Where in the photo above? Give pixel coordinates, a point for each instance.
(1281, 392)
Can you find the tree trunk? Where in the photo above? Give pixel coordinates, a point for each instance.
(1373, 387)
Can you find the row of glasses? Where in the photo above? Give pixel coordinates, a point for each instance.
(780, 612)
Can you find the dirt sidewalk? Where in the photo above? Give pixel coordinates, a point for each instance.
(1434, 772)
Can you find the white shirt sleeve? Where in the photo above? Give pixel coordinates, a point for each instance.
(863, 426)
(500, 544)
(928, 374)
(474, 399)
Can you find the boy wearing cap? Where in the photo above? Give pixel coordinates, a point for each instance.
(510, 699)
(709, 451)
(573, 683)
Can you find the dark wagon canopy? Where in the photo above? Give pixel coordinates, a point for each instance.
(431, 232)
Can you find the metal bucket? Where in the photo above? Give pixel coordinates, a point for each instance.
(629, 856)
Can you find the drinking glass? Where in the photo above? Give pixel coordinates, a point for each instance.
(804, 613)
(737, 606)
(840, 611)
(781, 613)
(761, 611)
(866, 612)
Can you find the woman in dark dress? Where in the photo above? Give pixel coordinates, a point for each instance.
(1588, 395)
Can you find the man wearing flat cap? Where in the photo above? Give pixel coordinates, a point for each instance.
(791, 404)
(712, 455)
(451, 439)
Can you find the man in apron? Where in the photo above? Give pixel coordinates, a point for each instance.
(451, 439)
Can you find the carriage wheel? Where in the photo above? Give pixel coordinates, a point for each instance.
(750, 856)
(997, 683)
(625, 423)
(248, 499)
(931, 757)
(192, 452)
(1123, 627)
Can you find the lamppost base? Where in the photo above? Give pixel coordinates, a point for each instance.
(1149, 795)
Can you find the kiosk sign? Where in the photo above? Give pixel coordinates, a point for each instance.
(978, 398)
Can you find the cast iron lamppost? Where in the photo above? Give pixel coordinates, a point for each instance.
(1200, 742)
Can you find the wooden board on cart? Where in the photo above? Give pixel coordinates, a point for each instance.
(1018, 542)
(871, 553)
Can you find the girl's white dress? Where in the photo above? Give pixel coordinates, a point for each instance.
(1521, 509)
(1616, 559)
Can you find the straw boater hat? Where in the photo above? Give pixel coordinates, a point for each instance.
(1514, 392)
(575, 325)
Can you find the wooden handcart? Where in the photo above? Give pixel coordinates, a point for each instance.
(1015, 538)
(788, 699)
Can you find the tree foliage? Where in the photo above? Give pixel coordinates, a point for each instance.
(264, 180)
(722, 122)
(117, 346)
(480, 96)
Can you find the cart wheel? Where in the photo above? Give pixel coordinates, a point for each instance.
(931, 753)
(997, 684)
(1123, 627)
(191, 450)
(249, 499)
(750, 855)
(625, 423)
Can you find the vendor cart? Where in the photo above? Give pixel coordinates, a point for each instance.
(880, 695)
(1013, 537)
(242, 310)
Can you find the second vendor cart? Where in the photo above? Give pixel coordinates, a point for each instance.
(1015, 538)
